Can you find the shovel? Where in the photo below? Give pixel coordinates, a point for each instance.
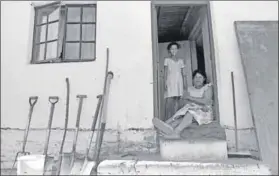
(32, 102)
(53, 101)
(89, 168)
(89, 164)
(65, 128)
(103, 120)
(68, 159)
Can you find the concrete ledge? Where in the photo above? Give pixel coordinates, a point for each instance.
(134, 167)
(193, 150)
(205, 142)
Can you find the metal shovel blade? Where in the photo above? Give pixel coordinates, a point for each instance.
(77, 166)
(67, 168)
(66, 164)
(49, 164)
(87, 167)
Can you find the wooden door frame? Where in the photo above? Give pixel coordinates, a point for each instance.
(155, 53)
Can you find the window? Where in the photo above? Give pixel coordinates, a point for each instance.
(64, 33)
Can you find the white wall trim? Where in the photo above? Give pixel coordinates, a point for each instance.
(42, 3)
(79, 2)
(179, 2)
(30, 35)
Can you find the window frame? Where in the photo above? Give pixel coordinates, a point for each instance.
(34, 60)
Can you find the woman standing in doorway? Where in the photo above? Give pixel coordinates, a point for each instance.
(174, 80)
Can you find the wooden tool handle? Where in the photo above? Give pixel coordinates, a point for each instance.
(53, 99)
(33, 100)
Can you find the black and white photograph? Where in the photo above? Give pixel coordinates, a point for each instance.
(150, 87)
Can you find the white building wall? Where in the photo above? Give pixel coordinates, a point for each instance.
(124, 27)
(126, 30)
(228, 59)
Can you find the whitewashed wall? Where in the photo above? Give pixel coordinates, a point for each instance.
(124, 27)
(228, 59)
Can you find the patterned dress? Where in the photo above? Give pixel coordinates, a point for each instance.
(201, 113)
(174, 80)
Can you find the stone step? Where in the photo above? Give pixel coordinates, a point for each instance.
(227, 167)
(205, 142)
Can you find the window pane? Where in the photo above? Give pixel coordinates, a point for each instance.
(88, 32)
(54, 15)
(61, 27)
(42, 33)
(72, 51)
(41, 17)
(73, 14)
(89, 14)
(51, 50)
(40, 52)
(87, 50)
(52, 31)
(73, 32)
(44, 19)
(51, 11)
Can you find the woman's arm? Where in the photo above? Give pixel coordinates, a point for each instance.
(205, 100)
(183, 74)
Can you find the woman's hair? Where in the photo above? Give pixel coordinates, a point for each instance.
(202, 73)
(173, 43)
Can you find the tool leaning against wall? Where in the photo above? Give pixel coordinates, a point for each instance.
(69, 160)
(89, 163)
(32, 102)
(103, 121)
(65, 127)
(36, 164)
(74, 165)
(53, 100)
(88, 166)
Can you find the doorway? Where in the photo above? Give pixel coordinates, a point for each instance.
(189, 24)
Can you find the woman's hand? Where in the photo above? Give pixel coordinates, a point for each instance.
(205, 109)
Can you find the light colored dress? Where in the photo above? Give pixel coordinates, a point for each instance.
(174, 79)
(202, 114)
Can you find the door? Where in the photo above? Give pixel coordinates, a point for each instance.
(206, 45)
(208, 51)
